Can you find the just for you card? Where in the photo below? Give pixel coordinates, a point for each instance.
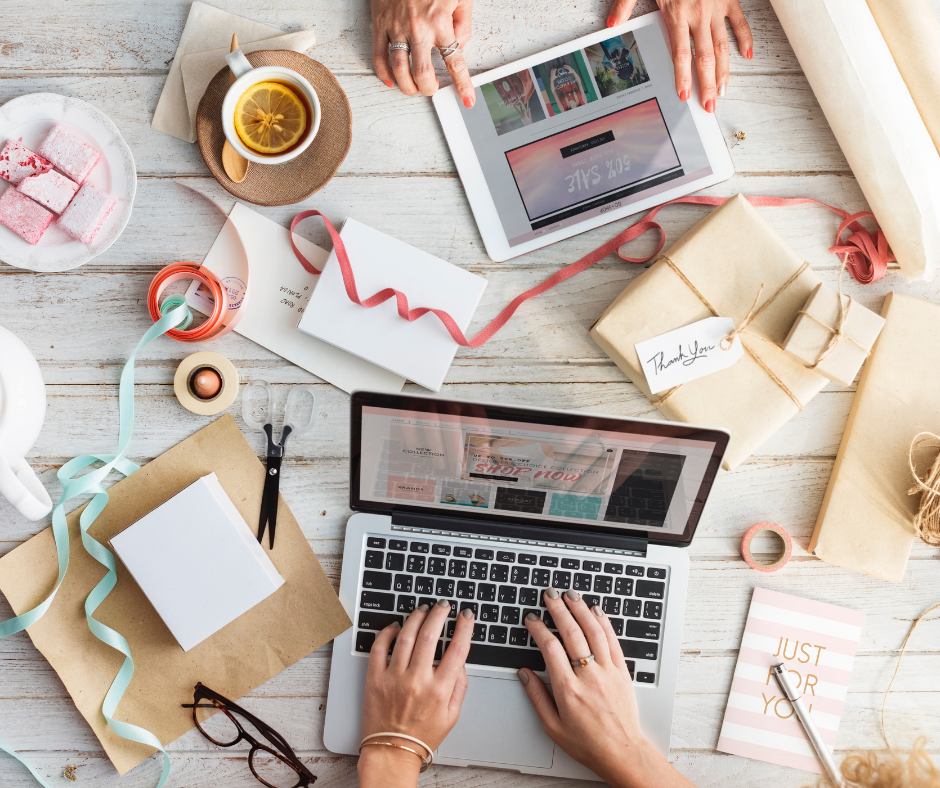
(817, 642)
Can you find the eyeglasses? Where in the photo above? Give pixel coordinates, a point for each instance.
(282, 769)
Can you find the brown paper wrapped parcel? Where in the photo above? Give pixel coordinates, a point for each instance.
(833, 334)
(866, 519)
(726, 258)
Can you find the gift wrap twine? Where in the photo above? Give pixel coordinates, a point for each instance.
(927, 518)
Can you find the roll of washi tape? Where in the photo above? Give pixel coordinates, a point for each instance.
(781, 561)
(206, 383)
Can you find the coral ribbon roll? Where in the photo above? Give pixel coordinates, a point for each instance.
(214, 326)
(781, 561)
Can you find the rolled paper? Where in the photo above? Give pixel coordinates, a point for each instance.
(871, 112)
(911, 30)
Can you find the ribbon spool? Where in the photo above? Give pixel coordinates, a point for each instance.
(781, 561)
(185, 390)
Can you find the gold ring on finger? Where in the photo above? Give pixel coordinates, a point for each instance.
(583, 662)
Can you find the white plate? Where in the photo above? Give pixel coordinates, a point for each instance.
(27, 120)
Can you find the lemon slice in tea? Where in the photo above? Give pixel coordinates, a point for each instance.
(270, 118)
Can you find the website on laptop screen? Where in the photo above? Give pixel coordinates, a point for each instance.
(583, 134)
(530, 471)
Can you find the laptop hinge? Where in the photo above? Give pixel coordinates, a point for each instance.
(530, 535)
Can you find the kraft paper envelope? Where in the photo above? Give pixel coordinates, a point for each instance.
(207, 29)
(866, 519)
(297, 619)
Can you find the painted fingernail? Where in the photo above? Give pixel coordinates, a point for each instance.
(466, 612)
(684, 95)
(443, 602)
(574, 596)
(710, 105)
(531, 617)
(389, 84)
(749, 54)
(722, 89)
(611, 21)
(523, 677)
(597, 611)
(424, 608)
(551, 593)
(468, 102)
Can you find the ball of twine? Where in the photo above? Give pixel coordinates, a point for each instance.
(927, 519)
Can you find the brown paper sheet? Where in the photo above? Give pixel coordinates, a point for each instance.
(865, 522)
(296, 620)
(911, 30)
(727, 256)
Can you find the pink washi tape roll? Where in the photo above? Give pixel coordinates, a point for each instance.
(748, 556)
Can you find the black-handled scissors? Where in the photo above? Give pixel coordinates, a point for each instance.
(275, 450)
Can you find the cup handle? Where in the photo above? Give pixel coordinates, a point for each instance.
(21, 487)
(238, 63)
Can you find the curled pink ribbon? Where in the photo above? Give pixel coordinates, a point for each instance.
(868, 258)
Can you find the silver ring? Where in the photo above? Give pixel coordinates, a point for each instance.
(583, 662)
(452, 49)
(399, 45)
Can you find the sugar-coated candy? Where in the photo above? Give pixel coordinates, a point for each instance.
(18, 162)
(69, 153)
(87, 213)
(26, 218)
(51, 189)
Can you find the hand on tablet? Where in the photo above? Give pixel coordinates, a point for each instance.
(593, 716)
(705, 21)
(418, 26)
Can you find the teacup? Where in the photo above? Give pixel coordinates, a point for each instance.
(247, 76)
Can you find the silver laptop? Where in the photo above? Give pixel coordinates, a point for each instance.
(489, 505)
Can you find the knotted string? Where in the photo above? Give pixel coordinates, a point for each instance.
(927, 518)
(868, 256)
(728, 340)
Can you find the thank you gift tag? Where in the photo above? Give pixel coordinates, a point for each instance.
(687, 353)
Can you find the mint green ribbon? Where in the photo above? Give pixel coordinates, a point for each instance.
(93, 482)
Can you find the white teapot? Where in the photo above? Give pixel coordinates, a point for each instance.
(22, 409)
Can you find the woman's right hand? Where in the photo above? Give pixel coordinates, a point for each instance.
(593, 716)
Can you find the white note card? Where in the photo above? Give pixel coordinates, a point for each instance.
(687, 353)
(197, 561)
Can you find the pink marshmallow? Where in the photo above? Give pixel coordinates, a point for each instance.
(86, 214)
(18, 162)
(69, 153)
(51, 189)
(26, 218)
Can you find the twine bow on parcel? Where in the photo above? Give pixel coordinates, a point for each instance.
(927, 518)
(740, 329)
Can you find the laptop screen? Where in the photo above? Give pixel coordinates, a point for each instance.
(513, 464)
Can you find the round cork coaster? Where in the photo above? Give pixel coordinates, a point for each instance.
(296, 180)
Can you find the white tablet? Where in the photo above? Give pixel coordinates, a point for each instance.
(578, 136)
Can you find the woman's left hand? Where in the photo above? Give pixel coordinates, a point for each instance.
(422, 25)
(705, 21)
(407, 694)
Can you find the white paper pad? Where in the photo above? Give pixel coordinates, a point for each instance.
(280, 289)
(421, 351)
(197, 561)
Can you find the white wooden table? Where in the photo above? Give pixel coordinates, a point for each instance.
(399, 178)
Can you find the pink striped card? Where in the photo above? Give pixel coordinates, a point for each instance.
(817, 641)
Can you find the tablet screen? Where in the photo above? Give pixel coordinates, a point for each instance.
(584, 133)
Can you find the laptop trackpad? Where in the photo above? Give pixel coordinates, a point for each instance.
(498, 725)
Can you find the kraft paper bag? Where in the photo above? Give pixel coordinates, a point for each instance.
(866, 520)
(911, 30)
(726, 257)
(297, 619)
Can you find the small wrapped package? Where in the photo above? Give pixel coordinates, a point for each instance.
(866, 519)
(833, 335)
(718, 268)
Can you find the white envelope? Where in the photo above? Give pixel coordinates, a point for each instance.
(279, 291)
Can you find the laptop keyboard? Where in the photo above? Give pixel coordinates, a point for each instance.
(502, 586)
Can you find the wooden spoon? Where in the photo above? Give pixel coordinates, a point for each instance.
(235, 165)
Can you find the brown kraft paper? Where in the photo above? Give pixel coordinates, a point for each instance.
(726, 257)
(297, 619)
(866, 519)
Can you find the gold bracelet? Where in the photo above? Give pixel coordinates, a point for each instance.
(424, 764)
